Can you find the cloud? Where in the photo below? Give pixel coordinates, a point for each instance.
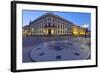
(85, 26)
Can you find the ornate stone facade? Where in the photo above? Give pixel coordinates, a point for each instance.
(51, 24)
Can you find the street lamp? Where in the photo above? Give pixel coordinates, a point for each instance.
(85, 26)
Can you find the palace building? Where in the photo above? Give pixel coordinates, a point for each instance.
(51, 24)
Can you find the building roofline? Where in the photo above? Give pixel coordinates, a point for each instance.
(46, 14)
(51, 15)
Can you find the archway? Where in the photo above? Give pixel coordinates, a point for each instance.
(49, 31)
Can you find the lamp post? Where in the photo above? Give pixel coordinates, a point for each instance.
(32, 31)
(85, 26)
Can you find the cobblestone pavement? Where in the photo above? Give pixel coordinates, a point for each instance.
(29, 43)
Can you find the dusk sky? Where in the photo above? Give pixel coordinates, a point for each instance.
(81, 19)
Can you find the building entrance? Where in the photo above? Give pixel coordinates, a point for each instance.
(49, 31)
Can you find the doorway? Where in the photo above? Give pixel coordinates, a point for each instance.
(49, 31)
